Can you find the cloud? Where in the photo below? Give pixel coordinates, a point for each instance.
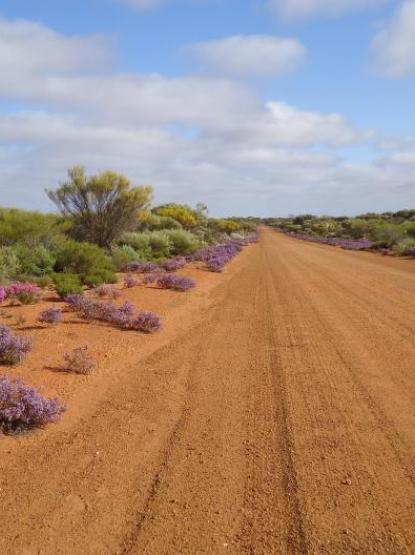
(250, 55)
(304, 9)
(28, 48)
(393, 47)
(193, 137)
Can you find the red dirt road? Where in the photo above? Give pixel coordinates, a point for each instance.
(279, 418)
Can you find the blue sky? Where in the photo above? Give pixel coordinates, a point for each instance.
(255, 107)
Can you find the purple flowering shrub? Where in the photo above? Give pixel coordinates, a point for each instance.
(26, 293)
(50, 316)
(217, 256)
(146, 322)
(149, 279)
(143, 267)
(3, 294)
(178, 283)
(12, 348)
(130, 281)
(349, 244)
(174, 264)
(123, 317)
(23, 407)
(107, 291)
(79, 361)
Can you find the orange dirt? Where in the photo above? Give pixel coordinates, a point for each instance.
(274, 414)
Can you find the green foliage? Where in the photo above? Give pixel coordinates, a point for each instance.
(406, 246)
(182, 242)
(86, 260)
(9, 264)
(100, 207)
(67, 284)
(37, 261)
(159, 244)
(122, 255)
(140, 242)
(30, 228)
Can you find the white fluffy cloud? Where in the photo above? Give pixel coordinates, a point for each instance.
(250, 55)
(393, 47)
(31, 48)
(194, 138)
(302, 9)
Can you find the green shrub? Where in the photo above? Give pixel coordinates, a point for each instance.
(122, 255)
(182, 242)
(67, 284)
(104, 276)
(405, 247)
(159, 244)
(9, 264)
(140, 242)
(86, 260)
(36, 261)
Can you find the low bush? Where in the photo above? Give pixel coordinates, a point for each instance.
(147, 322)
(50, 316)
(178, 283)
(123, 317)
(12, 348)
(79, 361)
(25, 293)
(174, 264)
(107, 291)
(67, 284)
(130, 281)
(23, 407)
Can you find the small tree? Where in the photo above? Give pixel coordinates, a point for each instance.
(101, 207)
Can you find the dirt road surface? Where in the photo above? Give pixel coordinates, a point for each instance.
(280, 418)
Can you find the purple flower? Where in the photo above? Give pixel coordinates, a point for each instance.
(50, 316)
(12, 348)
(146, 322)
(22, 407)
(105, 290)
(178, 283)
(130, 281)
(174, 264)
(26, 293)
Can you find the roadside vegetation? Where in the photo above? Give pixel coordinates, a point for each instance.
(104, 227)
(391, 233)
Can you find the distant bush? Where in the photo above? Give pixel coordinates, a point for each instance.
(67, 284)
(79, 361)
(50, 316)
(89, 261)
(12, 348)
(183, 214)
(23, 407)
